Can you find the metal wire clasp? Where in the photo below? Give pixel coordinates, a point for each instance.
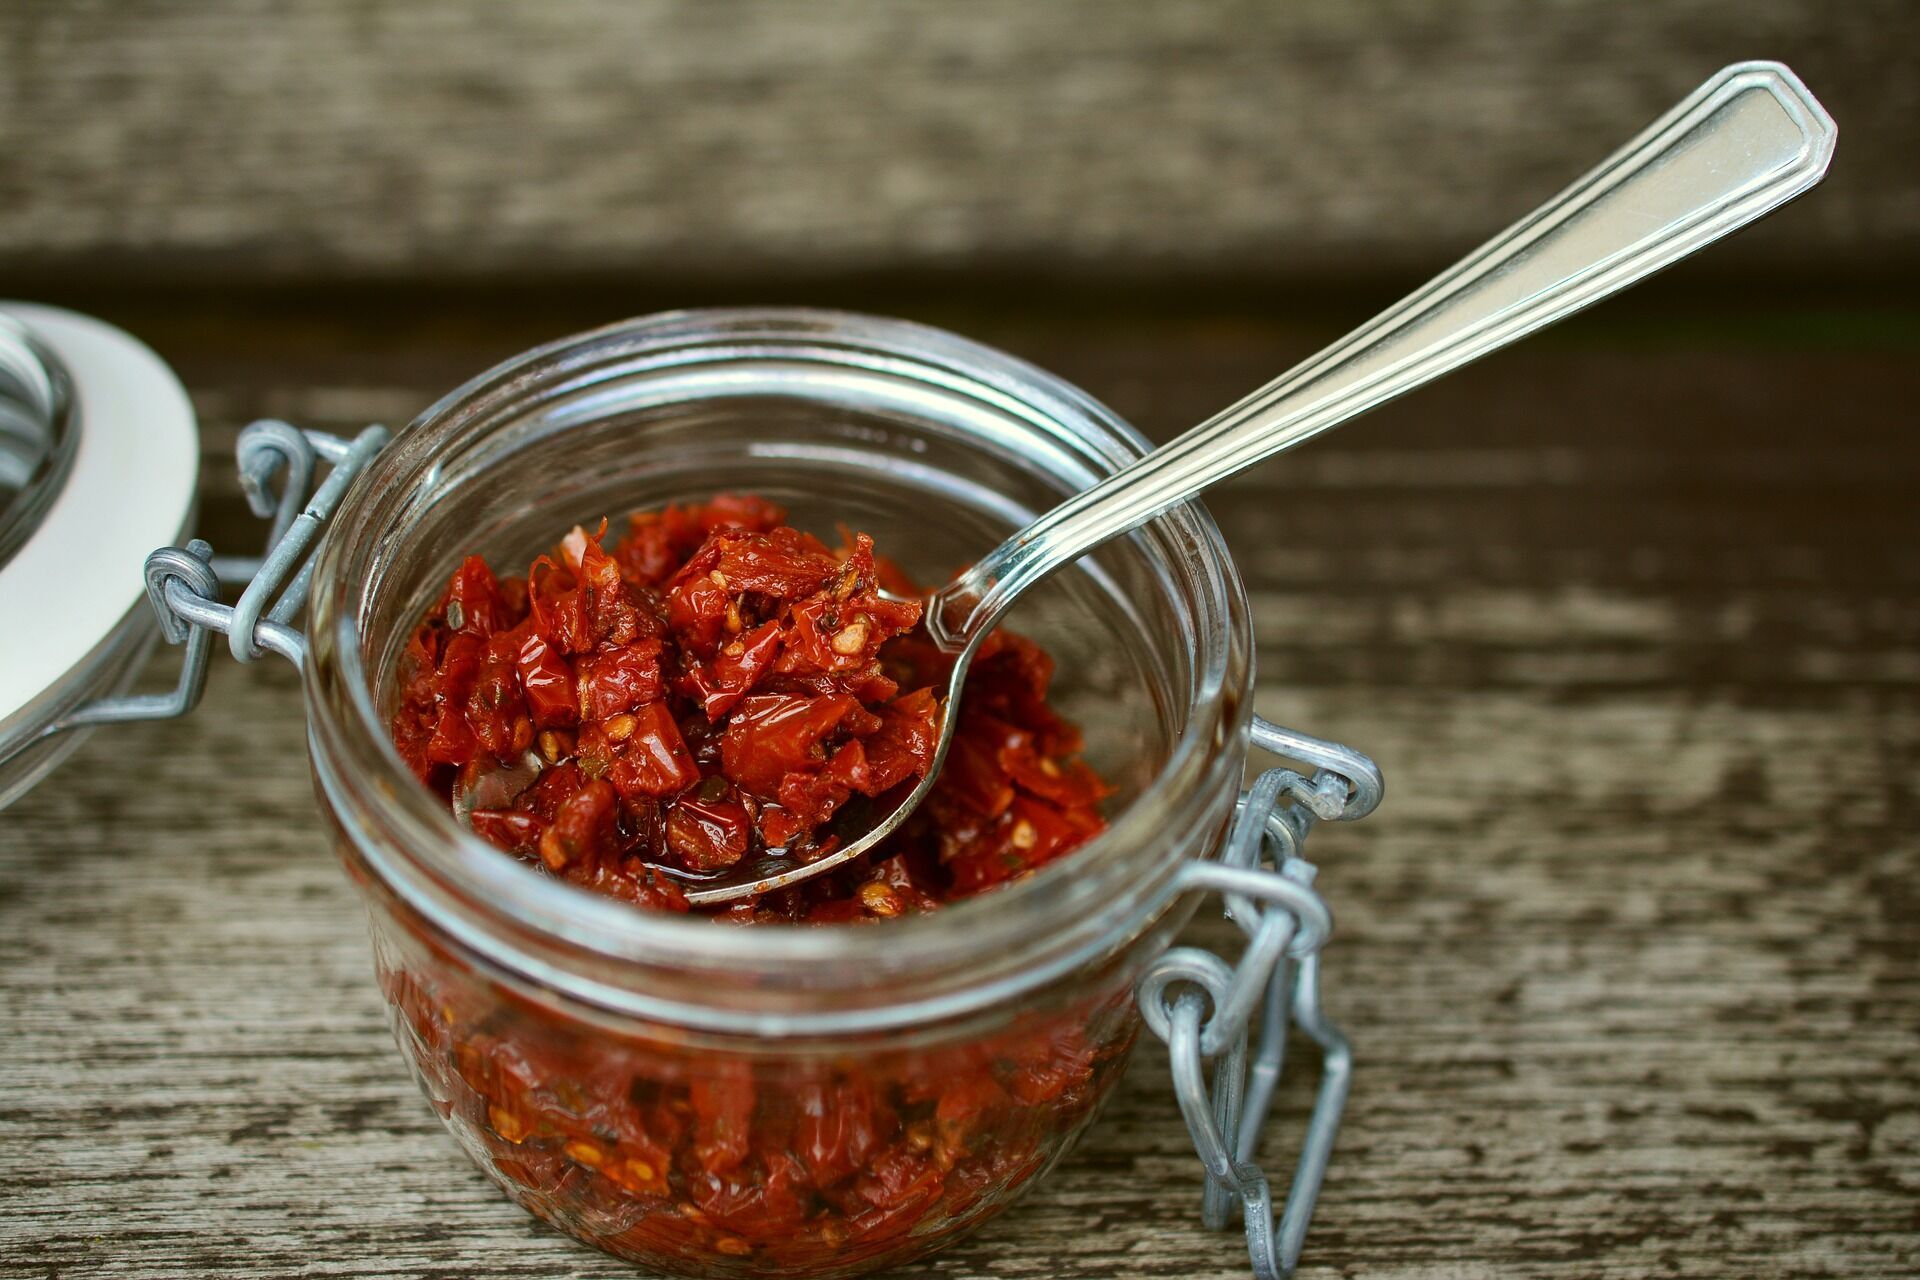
(1202, 1007)
(183, 583)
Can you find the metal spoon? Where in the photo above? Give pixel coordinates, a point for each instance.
(1744, 143)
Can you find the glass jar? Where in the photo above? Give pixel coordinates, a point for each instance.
(776, 1101)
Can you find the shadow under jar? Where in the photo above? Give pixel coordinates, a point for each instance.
(716, 1100)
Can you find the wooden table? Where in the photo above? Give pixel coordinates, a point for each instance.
(1630, 955)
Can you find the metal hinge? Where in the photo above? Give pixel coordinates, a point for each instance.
(1202, 1007)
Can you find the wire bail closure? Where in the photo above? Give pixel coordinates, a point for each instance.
(1203, 1008)
(183, 583)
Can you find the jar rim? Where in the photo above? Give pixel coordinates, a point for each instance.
(36, 392)
(594, 948)
(98, 423)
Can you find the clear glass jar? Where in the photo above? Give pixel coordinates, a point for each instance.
(776, 1101)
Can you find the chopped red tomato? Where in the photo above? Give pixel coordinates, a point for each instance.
(718, 685)
(712, 687)
(655, 760)
(620, 679)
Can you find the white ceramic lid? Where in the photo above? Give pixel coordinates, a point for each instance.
(130, 488)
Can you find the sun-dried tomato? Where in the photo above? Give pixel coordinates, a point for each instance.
(708, 835)
(714, 646)
(546, 680)
(620, 679)
(655, 760)
(717, 685)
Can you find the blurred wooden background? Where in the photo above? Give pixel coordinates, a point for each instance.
(1631, 954)
(250, 141)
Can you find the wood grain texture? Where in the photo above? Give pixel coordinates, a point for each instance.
(251, 139)
(1631, 955)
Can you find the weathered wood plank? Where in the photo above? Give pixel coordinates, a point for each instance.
(1589, 1045)
(244, 140)
(1631, 956)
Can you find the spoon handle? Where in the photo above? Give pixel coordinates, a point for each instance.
(1744, 143)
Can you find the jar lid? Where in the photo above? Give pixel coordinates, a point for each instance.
(99, 459)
